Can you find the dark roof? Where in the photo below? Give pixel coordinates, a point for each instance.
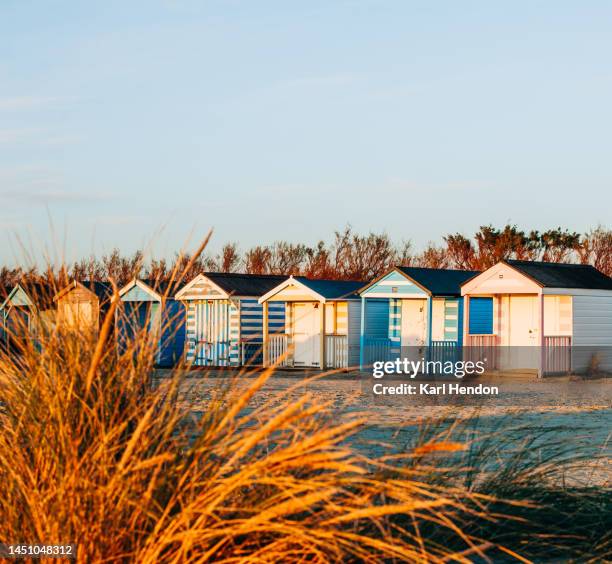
(245, 284)
(559, 275)
(4, 292)
(439, 282)
(161, 286)
(40, 293)
(104, 290)
(332, 289)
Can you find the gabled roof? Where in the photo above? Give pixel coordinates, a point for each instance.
(39, 293)
(435, 281)
(438, 281)
(245, 284)
(324, 290)
(560, 275)
(156, 288)
(103, 290)
(227, 284)
(332, 289)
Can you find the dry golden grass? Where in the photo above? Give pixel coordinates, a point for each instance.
(91, 452)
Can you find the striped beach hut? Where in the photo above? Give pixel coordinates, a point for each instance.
(82, 305)
(323, 321)
(146, 305)
(225, 321)
(410, 311)
(541, 317)
(25, 312)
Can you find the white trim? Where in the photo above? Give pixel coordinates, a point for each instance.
(11, 294)
(73, 286)
(548, 292)
(289, 281)
(395, 283)
(183, 293)
(142, 286)
(396, 295)
(577, 292)
(471, 286)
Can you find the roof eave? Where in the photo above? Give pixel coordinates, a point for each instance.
(286, 283)
(522, 273)
(400, 271)
(184, 291)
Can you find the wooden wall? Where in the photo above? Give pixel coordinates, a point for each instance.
(79, 308)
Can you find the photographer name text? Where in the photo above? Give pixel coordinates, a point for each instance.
(427, 389)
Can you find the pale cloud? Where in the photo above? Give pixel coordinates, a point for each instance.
(35, 136)
(18, 103)
(338, 79)
(11, 223)
(35, 184)
(50, 196)
(12, 136)
(118, 219)
(28, 177)
(314, 83)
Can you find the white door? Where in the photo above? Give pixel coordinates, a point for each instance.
(524, 334)
(306, 334)
(524, 321)
(414, 323)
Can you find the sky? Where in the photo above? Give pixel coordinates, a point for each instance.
(147, 123)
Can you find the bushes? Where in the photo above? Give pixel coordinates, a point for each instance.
(349, 256)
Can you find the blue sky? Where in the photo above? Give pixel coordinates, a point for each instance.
(145, 122)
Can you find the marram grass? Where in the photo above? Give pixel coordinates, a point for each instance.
(94, 452)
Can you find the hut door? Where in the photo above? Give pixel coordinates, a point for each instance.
(524, 334)
(306, 334)
(414, 323)
(212, 333)
(17, 325)
(523, 321)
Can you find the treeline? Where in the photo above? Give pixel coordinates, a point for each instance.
(348, 255)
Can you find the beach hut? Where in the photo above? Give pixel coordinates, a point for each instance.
(412, 311)
(323, 321)
(81, 305)
(225, 322)
(539, 316)
(27, 310)
(146, 305)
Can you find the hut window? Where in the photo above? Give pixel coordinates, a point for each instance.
(557, 316)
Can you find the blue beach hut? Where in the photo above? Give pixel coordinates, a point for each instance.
(147, 305)
(25, 311)
(225, 321)
(412, 309)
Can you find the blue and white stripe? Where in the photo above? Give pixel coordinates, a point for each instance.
(395, 325)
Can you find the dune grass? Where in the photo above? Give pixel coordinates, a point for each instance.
(93, 452)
